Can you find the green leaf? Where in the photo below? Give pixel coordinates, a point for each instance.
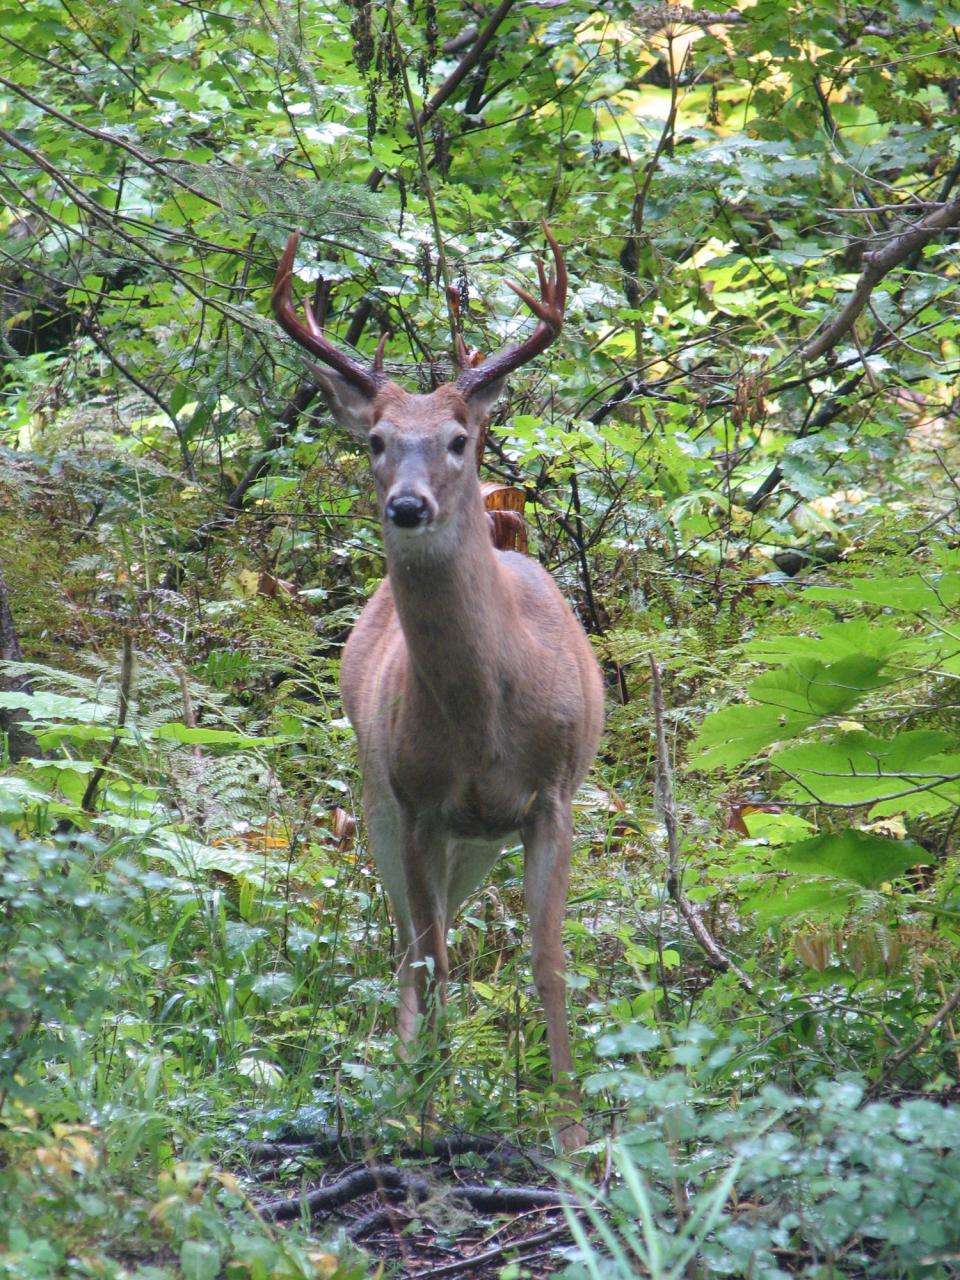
(17, 795)
(191, 857)
(49, 739)
(57, 706)
(199, 1260)
(775, 828)
(811, 687)
(177, 732)
(858, 857)
(792, 699)
(810, 901)
(912, 593)
(734, 734)
(858, 637)
(911, 772)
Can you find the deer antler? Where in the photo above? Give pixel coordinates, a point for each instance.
(548, 309)
(311, 336)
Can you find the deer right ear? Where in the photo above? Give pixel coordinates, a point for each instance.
(350, 405)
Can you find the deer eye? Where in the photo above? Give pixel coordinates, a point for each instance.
(458, 444)
(376, 444)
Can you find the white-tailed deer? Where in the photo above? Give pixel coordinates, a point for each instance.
(476, 699)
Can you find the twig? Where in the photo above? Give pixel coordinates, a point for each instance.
(15, 740)
(425, 184)
(330, 1142)
(93, 331)
(892, 1064)
(498, 1254)
(375, 1220)
(832, 409)
(123, 704)
(500, 1199)
(196, 751)
(466, 63)
(717, 958)
(156, 163)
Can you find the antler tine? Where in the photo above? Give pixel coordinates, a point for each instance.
(310, 335)
(463, 355)
(378, 354)
(548, 309)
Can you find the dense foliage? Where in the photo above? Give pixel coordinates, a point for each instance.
(739, 460)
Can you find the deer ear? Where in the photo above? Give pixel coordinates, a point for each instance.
(480, 401)
(350, 405)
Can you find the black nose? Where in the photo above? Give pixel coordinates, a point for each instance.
(408, 511)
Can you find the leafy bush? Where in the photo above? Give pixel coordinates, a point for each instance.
(778, 1185)
(65, 928)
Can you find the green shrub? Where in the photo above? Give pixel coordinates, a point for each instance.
(825, 1185)
(65, 925)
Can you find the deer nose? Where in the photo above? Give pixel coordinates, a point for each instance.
(407, 510)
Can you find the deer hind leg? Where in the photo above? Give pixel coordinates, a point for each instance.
(547, 841)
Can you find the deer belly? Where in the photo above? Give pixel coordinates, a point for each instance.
(488, 811)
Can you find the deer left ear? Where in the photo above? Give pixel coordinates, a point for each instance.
(480, 401)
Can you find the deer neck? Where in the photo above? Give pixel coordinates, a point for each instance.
(455, 609)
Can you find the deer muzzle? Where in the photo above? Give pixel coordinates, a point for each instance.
(409, 510)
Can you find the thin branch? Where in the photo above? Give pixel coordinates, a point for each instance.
(877, 264)
(498, 1199)
(716, 957)
(466, 63)
(158, 165)
(898, 1059)
(97, 337)
(425, 183)
(499, 1254)
(832, 409)
(123, 705)
(15, 741)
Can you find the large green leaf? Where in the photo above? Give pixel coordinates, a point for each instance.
(45, 706)
(858, 857)
(912, 593)
(831, 874)
(199, 736)
(836, 640)
(788, 701)
(813, 900)
(911, 772)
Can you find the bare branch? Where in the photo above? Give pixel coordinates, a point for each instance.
(466, 63)
(876, 265)
(498, 1199)
(717, 958)
(123, 706)
(156, 163)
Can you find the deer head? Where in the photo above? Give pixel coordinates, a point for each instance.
(421, 446)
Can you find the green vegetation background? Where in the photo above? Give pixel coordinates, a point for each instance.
(194, 951)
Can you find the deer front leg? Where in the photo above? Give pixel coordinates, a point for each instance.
(547, 841)
(407, 1018)
(424, 967)
(386, 833)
